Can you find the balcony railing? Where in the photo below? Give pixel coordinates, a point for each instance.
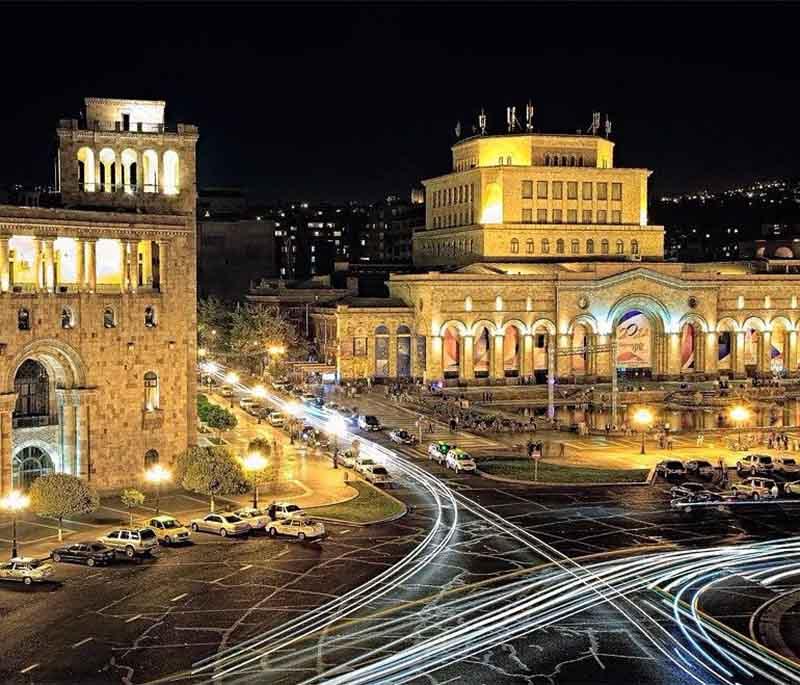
(119, 126)
(125, 188)
(33, 421)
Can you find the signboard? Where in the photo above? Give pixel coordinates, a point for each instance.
(633, 341)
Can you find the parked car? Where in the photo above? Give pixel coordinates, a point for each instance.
(686, 489)
(277, 419)
(255, 408)
(226, 391)
(247, 402)
(754, 487)
(134, 542)
(25, 570)
(685, 502)
(89, 553)
(363, 463)
(300, 527)
(402, 437)
(257, 518)
(378, 475)
(169, 530)
(786, 465)
(221, 524)
(438, 450)
(459, 460)
(280, 383)
(671, 468)
(282, 510)
(792, 487)
(756, 464)
(309, 397)
(700, 468)
(369, 423)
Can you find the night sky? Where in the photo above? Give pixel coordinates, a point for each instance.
(337, 102)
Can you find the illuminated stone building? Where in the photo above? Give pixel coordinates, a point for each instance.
(98, 303)
(537, 261)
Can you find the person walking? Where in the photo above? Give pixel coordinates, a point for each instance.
(562, 450)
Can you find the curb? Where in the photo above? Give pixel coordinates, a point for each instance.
(363, 524)
(516, 481)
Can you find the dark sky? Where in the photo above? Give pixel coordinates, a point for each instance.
(337, 102)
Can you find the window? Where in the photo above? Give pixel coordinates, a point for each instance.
(67, 319)
(558, 190)
(529, 246)
(572, 190)
(580, 161)
(587, 216)
(514, 246)
(559, 246)
(590, 246)
(545, 246)
(500, 161)
(150, 320)
(575, 247)
(602, 191)
(602, 216)
(620, 247)
(634, 247)
(616, 216)
(572, 216)
(150, 391)
(547, 160)
(541, 190)
(587, 190)
(572, 160)
(359, 347)
(23, 320)
(150, 458)
(527, 216)
(616, 191)
(109, 318)
(557, 216)
(508, 161)
(527, 190)
(541, 216)
(604, 247)
(563, 160)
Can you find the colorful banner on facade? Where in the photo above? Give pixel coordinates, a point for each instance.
(751, 347)
(450, 351)
(481, 352)
(633, 341)
(511, 349)
(687, 348)
(724, 346)
(578, 360)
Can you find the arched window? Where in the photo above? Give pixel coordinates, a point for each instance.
(67, 318)
(24, 320)
(514, 246)
(575, 247)
(109, 318)
(150, 458)
(86, 170)
(563, 160)
(572, 160)
(108, 170)
(545, 246)
(529, 246)
(150, 320)
(547, 160)
(150, 169)
(402, 329)
(151, 398)
(590, 246)
(620, 247)
(634, 247)
(129, 170)
(604, 247)
(580, 161)
(559, 246)
(171, 177)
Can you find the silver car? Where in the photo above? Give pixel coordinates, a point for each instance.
(134, 542)
(255, 517)
(25, 570)
(221, 524)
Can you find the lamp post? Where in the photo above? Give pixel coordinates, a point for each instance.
(644, 418)
(157, 474)
(260, 392)
(739, 415)
(337, 428)
(254, 463)
(231, 378)
(14, 502)
(275, 351)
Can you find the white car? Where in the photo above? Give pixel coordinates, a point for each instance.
(226, 391)
(247, 402)
(377, 475)
(402, 437)
(756, 464)
(277, 419)
(792, 487)
(169, 530)
(755, 488)
(221, 524)
(347, 459)
(363, 463)
(282, 510)
(255, 517)
(459, 461)
(25, 570)
(300, 527)
(786, 465)
(439, 450)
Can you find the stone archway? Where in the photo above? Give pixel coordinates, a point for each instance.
(638, 327)
(31, 460)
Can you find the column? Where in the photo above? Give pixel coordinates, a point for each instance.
(133, 265)
(790, 353)
(712, 353)
(551, 374)
(498, 370)
(82, 437)
(564, 362)
(5, 275)
(673, 341)
(603, 362)
(68, 400)
(434, 358)
(147, 259)
(80, 272)
(37, 263)
(738, 355)
(123, 262)
(163, 254)
(468, 357)
(7, 403)
(91, 265)
(49, 266)
(527, 355)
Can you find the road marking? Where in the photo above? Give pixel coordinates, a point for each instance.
(244, 568)
(133, 618)
(286, 551)
(175, 599)
(219, 579)
(342, 532)
(82, 642)
(29, 668)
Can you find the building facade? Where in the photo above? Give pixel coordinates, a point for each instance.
(98, 304)
(537, 262)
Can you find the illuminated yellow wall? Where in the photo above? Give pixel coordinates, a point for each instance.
(492, 207)
(109, 262)
(24, 267)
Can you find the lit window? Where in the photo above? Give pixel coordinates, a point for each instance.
(620, 247)
(575, 247)
(23, 320)
(514, 246)
(109, 318)
(545, 246)
(558, 190)
(602, 191)
(572, 190)
(590, 246)
(587, 190)
(541, 190)
(529, 246)
(151, 391)
(587, 216)
(527, 216)
(527, 190)
(150, 317)
(616, 191)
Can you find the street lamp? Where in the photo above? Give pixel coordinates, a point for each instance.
(739, 415)
(254, 463)
(156, 475)
(337, 428)
(644, 418)
(14, 502)
(231, 378)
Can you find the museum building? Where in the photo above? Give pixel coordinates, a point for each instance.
(98, 303)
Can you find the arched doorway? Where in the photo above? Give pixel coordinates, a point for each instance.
(32, 385)
(451, 352)
(512, 349)
(30, 463)
(634, 345)
(482, 353)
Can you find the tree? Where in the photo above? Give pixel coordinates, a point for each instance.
(130, 498)
(212, 471)
(212, 324)
(255, 329)
(264, 448)
(59, 495)
(220, 419)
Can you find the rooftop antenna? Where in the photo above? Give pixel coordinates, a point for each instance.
(608, 127)
(482, 122)
(508, 119)
(529, 116)
(595, 126)
(458, 129)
